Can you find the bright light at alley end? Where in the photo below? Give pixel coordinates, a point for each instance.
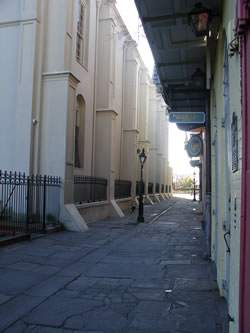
(199, 19)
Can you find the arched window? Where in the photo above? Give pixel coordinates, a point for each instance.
(79, 132)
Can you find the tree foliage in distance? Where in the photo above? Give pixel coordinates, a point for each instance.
(183, 182)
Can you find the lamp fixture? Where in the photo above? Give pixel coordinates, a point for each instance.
(199, 19)
(198, 79)
(142, 157)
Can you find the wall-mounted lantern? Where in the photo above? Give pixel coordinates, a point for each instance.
(199, 19)
(198, 79)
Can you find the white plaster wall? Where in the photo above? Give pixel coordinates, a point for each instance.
(9, 55)
(18, 27)
(10, 10)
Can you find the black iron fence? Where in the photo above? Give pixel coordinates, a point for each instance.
(28, 203)
(122, 189)
(150, 188)
(89, 189)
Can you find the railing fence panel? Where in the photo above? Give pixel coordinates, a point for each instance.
(28, 203)
(89, 189)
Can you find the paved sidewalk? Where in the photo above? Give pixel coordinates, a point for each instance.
(118, 277)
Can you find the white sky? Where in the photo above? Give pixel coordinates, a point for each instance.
(178, 157)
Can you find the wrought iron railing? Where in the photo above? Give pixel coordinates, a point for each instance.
(150, 188)
(28, 203)
(89, 189)
(122, 189)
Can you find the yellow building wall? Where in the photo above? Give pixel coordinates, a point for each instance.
(218, 246)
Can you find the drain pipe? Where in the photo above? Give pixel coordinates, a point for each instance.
(207, 254)
(98, 5)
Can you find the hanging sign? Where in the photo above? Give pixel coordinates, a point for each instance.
(194, 146)
(187, 117)
(195, 163)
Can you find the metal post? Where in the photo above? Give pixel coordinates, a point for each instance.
(194, 189)
(200, 187)
(44, 203)
(140, 217)
(28, 199)
(207, 253)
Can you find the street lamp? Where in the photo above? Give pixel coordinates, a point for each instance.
(142, 158)
(194, 187)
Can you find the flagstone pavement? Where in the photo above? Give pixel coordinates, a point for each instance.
(118, 277)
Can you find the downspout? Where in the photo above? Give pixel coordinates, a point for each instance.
(122, 112)
(38, 91)
(207, 253)
(98, 4)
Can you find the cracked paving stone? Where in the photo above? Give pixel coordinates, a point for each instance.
(188, 271)
(82, 283)
(56, 310)
(195, 323)
(103, 318)
(4, 298)
(153, 307)
(19, 327)
(126, 270)
(155, 322)
(148, 294)
(160, 284)
(16, 285)
(195, 284)
(123, 308)
(68, 293)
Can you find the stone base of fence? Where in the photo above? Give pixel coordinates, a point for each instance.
(71, 219)
(124, 204)
(148, 200)
(94, 211)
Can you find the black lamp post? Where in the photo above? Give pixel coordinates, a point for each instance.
(142, 158)
(194, 187)
(199, 19)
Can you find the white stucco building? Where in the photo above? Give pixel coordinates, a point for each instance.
(77, 100)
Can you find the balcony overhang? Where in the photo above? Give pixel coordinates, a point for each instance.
(176, 49)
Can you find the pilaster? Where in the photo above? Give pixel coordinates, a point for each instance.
(129, 157)
(57, 128)
(105, 148)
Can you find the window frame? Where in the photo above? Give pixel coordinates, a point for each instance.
(81, 31)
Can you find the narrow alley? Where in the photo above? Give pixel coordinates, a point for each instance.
(118, 277)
